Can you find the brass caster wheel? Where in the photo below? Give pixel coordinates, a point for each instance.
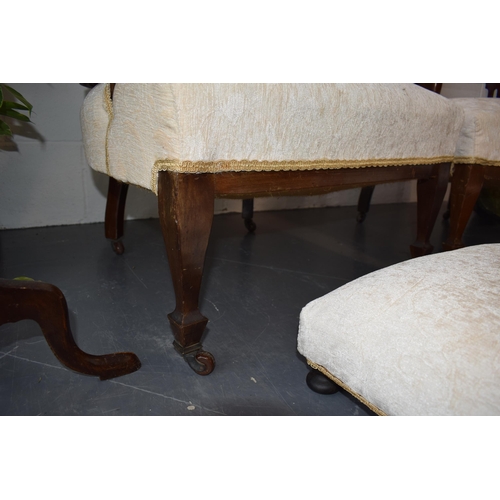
(250, 225)
(320, 383)
(202, 362)
(117, 247)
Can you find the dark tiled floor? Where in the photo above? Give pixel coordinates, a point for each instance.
(254, 289)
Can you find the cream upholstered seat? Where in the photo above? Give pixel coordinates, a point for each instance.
(477, 157)
(191, 143)
(418, 338)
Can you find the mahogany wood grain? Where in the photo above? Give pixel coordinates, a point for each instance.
(186, 209)
(309, 182)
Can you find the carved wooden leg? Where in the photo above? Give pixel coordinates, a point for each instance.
(320, 383)
(430, 195)
(247, 214)
(186, 209)
(115, 213)
(466, 185)
(45, 304)
(365, 197)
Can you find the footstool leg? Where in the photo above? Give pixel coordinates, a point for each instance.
(186, 210)
(115, 214)
(466, 185)
(320, 383)
(430, 195)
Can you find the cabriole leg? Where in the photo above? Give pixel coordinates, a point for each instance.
(46, 304)
(186, 209)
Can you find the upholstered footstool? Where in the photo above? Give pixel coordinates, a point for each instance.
(417, 338)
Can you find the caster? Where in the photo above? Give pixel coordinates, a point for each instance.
(202, 362)
(361, 217)
(250, 225)
(320, 383)
(117, 247)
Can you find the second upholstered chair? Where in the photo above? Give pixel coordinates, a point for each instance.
(477, 158)
(192, 143)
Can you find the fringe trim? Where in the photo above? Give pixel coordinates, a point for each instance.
(109, 108)
(472, 160)
(203, 167)
(325, 372)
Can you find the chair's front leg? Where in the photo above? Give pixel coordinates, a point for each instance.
(186, 210)
(430, 195)
(466, 185)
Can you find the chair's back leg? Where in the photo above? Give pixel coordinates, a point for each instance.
(115, 213)
(186, 210)
(466, 185)
(430, 196)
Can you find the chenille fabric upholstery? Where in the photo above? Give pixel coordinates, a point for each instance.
(198, 128)
(479, 139)
(418, 338)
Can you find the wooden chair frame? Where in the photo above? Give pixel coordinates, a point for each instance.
(186, 201)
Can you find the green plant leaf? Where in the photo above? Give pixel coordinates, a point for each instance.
(1, 96)
(4, 129)
(14, 114)
(13, 105)
(19, 96)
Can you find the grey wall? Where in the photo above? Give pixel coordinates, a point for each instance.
(46, 180)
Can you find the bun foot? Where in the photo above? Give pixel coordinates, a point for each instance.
(320, 383)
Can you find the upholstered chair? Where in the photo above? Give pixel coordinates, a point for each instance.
(421, 337)
(192, 143)
(477, 159)
(366, 192)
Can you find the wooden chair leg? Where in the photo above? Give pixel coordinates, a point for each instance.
(186, 210)
(115, 213)
(247, 214)
(46, 304)
(430, 195)
(466, 185)
(364, 200)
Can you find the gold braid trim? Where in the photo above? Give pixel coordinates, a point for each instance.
(204, 167)
(325, 372)
(472, 160)
(109, 108)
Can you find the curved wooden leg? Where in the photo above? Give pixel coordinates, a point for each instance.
(430, 195)
(320, 383)
(247, 214)
(365, 197)
(186, 209)
(466, 185)
(115, 213)
(46, 304)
